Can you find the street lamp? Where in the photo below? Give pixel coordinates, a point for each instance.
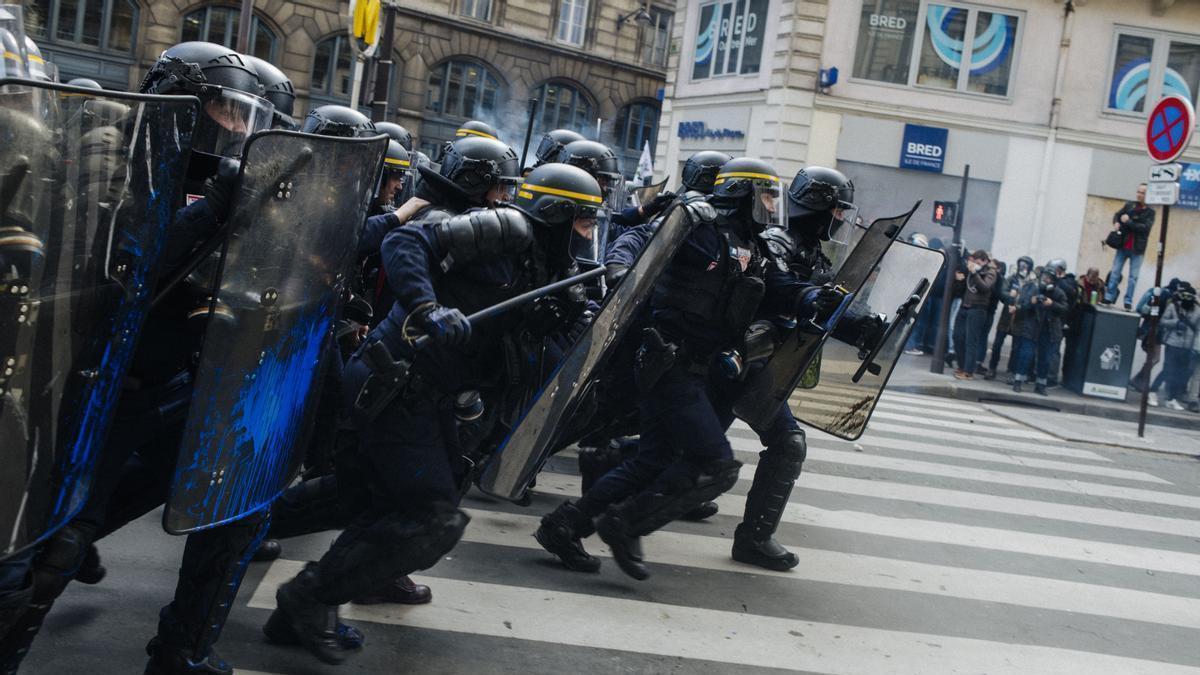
(640, 16)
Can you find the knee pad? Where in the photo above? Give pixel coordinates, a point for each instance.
(418, 542)
(786, 453)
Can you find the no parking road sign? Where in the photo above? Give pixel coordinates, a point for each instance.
(1169, 128)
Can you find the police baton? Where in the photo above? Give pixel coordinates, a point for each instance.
(533, 102)
(519, 300)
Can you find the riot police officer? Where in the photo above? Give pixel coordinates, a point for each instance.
(136, 464)
(278, 89)
(410, 412)
(817, 202)
(687, 371)
(396, 133)
(601, 162)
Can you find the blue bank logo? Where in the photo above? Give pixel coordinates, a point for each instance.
(923, 148)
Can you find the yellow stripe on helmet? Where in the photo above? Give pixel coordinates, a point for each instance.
(563, 193)
(744, 174)
(401, 162)
(471, 132)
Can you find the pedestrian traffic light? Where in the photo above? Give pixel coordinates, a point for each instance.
(944, 213)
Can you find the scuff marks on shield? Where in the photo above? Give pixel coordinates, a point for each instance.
(250, 422)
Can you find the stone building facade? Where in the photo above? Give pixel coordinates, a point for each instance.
(586, 60)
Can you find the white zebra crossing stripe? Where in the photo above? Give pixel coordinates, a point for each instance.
(914, 529)
(721, 636)
(977, 455)
(864, 571)
(1070, 486)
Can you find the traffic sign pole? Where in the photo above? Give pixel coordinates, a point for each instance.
(1168, 133)
(943, 331)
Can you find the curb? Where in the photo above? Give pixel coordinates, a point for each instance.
(999, 411)
(1052, 404)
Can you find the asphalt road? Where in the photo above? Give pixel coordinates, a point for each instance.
(949, 540)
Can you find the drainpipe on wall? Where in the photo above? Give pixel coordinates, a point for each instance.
(1060, 69)
(787, 75)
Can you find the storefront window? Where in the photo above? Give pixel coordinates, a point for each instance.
(1138, 60)
(106, 25)
(962, 48)
(461, 89)
(885, 39)
(729, 40)
(220, 25)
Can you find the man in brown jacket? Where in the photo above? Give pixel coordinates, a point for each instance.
(981, 277)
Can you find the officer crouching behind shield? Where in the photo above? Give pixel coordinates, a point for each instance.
(688, 370)
(416, 408)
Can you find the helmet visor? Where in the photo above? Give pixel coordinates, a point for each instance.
(228, 120)
(612, 186)
(505, 189)
(392, 182)
(588, 233)
(768, 206)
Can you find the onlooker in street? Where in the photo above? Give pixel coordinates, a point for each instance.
(1178, 326)
(1155, 297)
(1010, 290)
(1133, 223)
(924, 332)
(1070, 288)
(977, 296)
(1091, 287)
(1040, 309)
(954, 336)
(996, 301)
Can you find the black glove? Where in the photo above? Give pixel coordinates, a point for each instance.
(818, 304)
(446, 325)
(870, 331)
(546, 315)
(580, 325)
(656, 205)
(219, 189)
(613, 274)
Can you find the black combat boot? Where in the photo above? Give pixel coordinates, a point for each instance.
(560, 534)
(778, 468)
(165, 660)
(268, 550)
(615, 528)
(703, 512)
(300, 617)
(91, 572)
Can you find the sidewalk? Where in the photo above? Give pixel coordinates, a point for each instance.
(912, 375)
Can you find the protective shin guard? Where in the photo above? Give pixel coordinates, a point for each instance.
(214, 563)
(363, 559)
(53, 568)
(653, 510)
(779, 467)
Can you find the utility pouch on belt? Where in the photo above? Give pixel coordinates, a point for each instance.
(744, 298)
(387, 380)
(655, 357)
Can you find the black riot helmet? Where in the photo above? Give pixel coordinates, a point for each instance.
(598, 160)
(552, 144)
(1024, 266)
(396, 133)
(477, 128)
(338, 120)
(476, 165)
(227, 86)
(751, 189)
(700, 170)
(277, 87)
(563, 201)
(819, 201)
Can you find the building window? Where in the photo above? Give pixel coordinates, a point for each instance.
(477, 9)
(637, 125)
(220, 25)
(729, 40)
(107, 25)
(1147, 66)
(961, 48)
(563, 106)
(572, 20)
(332, 70)
(657, 37)
(462, 89)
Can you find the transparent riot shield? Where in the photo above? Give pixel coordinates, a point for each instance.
(512, 466)
(768, 388)
(853, 376)
(294, 228)
(86, 201)
(647, 193)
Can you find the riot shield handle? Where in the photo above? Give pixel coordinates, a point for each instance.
(902, 312)
(519, 300)
(11, 182)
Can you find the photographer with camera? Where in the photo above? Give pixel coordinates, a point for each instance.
(1040, 310)
(980, 278)
(1177, 329)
